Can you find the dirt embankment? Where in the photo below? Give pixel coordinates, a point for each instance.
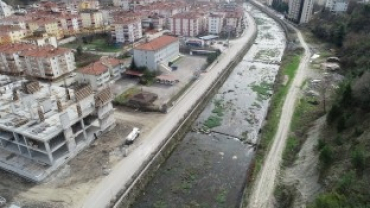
(299, 182)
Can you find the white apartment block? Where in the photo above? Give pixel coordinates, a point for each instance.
(124, 4)
(91, 19)
(48, 62)
(215, 23)
(157, 53)
(5, 10)
(43, 126)
(300, 11)
(336, 5)
(187, 24)
(127, 29)
(10, 62)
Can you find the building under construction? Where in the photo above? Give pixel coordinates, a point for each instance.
(43, 126)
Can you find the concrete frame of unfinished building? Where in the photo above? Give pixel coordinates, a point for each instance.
(37, 138)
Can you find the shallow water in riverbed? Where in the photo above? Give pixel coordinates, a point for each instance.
(210, 170)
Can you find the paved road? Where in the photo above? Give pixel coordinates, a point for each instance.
(126, 168)
(265, 183)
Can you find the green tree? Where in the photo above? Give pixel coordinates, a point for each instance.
(339, 35)
(358, 159)
(133, 65)
(326, 156)
(211, 58)
(79, 50)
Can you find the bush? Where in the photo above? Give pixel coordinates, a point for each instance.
(331, 200)
(321, 144)
(338, 140)
(341, 125)
(326, 156)
(333, 114)
(358, 159)
(345, 182)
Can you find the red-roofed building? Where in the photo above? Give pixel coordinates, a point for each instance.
(99, 73)
(10, 62)
(47, 62)
(157, 52)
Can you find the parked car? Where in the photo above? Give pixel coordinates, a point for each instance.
(132, 136)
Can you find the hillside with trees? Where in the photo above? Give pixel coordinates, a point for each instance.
(344, 145)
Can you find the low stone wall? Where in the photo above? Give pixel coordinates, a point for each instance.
(129, 193)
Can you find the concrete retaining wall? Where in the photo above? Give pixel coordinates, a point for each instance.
(128, 194)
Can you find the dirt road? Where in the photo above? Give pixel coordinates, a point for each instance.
(265, 183)
(127, 167)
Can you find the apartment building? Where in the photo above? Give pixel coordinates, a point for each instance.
(154, 21)
(5, 10)
(157, 53)
(11, 34)
(124, 4)
(96, 74)
(44, 126)
(88, 5)
(69, 23)
(47, 62)
(188, 24)
(100, 73)
(126, 29)
(15, 21)
(215, 23)
(91, 19)
(47, 24)
(116, 67)
(233, 22)
(300, 11)
(10, 62)
(336, 5)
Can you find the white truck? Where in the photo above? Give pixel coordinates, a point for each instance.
(132, 136)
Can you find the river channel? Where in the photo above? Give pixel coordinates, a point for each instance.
(210, 169)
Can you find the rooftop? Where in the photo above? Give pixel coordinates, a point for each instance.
(22, 101)
(45, 52)
(100, 66)
(187, 15)
(95, 68)
(9, 28)
(125, 20)
(109, 61)
(157, 43)
(16, 47)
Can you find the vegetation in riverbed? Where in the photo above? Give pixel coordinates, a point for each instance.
(213, 121)
(266, 53)
(221, 196)
(263, 90)
(260, 21)
(215, 118)
(288, 68)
